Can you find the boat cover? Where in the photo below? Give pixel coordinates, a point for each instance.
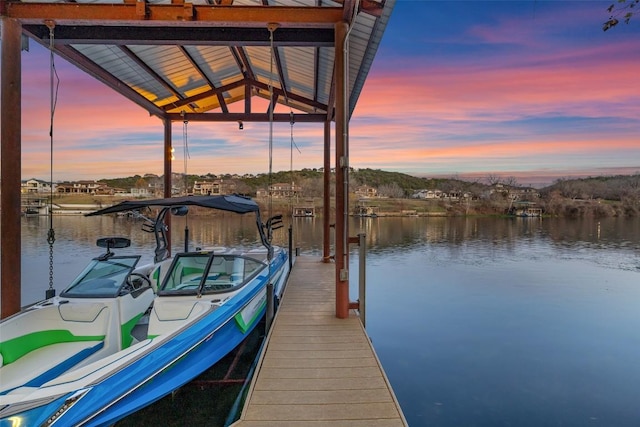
(231, 203)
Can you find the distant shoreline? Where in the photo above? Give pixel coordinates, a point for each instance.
(388, 207)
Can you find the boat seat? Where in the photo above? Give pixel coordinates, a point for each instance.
(56, 338)
(80, 312)
(45, 363)
(167, 315)
(51, 325)
(174, 310)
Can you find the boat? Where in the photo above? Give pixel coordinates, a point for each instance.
(524, 209)
(190, 310)
(529, 213)
(91, 319)
(30, 211)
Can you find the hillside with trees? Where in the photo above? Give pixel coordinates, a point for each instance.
(594, 196)
(619, 187)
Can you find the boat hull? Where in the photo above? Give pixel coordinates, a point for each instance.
(101, 394)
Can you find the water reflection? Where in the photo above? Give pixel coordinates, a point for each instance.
(458, 230)
(399, 234)
(469, 240)
(477, 321)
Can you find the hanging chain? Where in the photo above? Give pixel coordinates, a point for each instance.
(185, 141)
(51, 235)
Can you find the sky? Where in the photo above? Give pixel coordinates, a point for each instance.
(528, 89)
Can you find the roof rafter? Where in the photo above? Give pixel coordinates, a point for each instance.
(166, 84)
(82, 62)
(310, 102)
(203, 75)
(207, 94)
(90, 35)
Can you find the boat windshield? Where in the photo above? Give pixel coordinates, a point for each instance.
(102, 278)
(206, 273)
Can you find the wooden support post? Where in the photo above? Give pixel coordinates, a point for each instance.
(342, 177)
(326, 201)
(10, 164)
(168, 154)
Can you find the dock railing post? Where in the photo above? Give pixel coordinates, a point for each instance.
(362, 277)
(270, 307)
(290, 247)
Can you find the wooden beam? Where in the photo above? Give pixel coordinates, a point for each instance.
(326, 194)
(292, 96)
(349, 10)
(250, 117)
(371, 7)
(318, 106)
(130, 14)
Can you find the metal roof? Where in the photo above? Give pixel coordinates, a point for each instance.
(209, 59)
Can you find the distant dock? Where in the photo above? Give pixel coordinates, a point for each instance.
(316, 369)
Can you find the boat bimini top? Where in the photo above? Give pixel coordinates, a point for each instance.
(179, 206)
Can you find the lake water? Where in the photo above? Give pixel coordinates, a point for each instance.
(477, 321)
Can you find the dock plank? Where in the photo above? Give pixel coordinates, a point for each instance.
(306, 397)
(318, 370)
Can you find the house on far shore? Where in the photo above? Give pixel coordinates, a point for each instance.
(280, 190)
(366, 191)
(214, 188)
(141, 192)
(33, 185)
(428, 194)
(84, 187)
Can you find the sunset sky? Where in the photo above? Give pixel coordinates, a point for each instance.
(530, 89)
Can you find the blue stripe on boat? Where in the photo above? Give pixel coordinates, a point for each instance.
(57, 370)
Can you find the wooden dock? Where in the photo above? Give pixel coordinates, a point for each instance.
(318, 370)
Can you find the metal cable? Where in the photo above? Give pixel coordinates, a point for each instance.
(272, 28)
(51, 235)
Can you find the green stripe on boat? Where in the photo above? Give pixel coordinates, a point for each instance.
(125, 331)
(244, 326)
(14, 348)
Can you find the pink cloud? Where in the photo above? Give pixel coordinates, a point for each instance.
(502, 90)
(458, 113)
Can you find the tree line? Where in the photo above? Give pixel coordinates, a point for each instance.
(400, 185)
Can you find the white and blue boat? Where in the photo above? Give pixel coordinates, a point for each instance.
(121, 337)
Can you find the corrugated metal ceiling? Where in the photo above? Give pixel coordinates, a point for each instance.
(197, 63)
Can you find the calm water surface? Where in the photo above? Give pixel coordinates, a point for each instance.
(477, 322)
